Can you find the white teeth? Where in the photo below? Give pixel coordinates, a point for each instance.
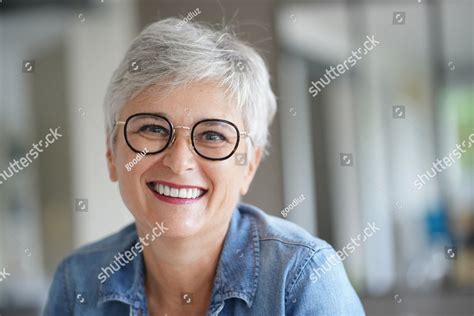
(188, 196)
(174, 192)
(183, 193)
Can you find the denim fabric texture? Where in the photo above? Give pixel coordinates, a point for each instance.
(264, 269)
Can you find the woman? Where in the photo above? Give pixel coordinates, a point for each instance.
(187, 115)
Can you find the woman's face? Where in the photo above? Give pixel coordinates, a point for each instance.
(224, 181)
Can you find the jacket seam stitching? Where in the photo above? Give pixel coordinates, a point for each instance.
(301, 269)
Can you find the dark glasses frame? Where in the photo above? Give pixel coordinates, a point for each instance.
(172, 136)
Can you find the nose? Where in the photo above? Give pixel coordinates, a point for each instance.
(179, 156)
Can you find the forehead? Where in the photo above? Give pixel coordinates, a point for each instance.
(183, 104)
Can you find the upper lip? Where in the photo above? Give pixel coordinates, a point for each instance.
(175, 185)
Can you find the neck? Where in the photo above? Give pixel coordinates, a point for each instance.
(175, 267)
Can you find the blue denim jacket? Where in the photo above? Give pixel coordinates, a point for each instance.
(267, 267)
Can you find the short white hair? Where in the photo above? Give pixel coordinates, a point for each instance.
(172, 56)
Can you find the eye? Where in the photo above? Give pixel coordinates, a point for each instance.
(154, 129)
(211, 136)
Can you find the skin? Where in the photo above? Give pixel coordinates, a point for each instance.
(184, 259)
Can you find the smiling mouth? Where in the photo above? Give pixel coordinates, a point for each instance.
(181, 192)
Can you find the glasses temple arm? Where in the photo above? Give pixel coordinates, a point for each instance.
(245, 134)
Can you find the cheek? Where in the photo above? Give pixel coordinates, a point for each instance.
(132, 189)
(130, 167)
(122, 156)
(128, 163)
(226, 177)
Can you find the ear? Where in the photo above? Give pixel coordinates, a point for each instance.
(251, 170)
(111, 164)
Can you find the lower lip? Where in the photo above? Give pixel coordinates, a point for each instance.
(174, 200)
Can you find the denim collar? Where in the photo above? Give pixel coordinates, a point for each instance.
(236, 277)
(239, 264)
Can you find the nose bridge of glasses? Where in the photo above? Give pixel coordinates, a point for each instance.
(182, 127)
(186, 128)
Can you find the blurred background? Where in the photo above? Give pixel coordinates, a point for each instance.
(354, 150)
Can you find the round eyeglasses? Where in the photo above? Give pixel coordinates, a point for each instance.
(213, 139)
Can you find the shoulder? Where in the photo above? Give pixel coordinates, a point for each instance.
(308, 268)
(285, 248)
(80, 270)
(273, 229)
